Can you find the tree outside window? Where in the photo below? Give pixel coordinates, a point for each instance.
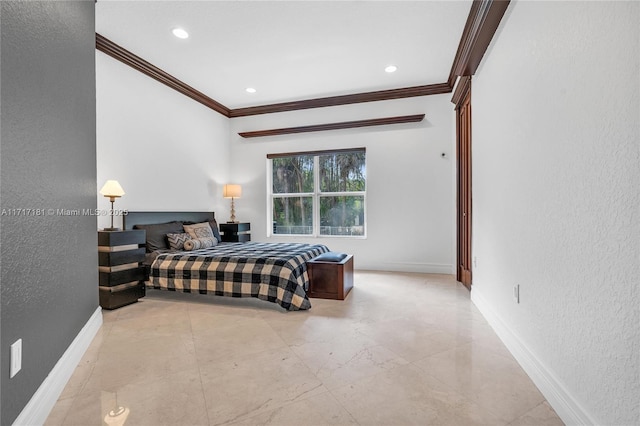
(320, 194)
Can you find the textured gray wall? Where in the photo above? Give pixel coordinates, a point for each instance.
(48, 267)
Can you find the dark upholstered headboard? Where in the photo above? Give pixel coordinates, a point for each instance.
(146, 218)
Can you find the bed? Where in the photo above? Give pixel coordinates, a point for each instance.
(274, 272)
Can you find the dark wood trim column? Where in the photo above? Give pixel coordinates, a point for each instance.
(464, 200)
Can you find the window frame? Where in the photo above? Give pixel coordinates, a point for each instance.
(315, 195)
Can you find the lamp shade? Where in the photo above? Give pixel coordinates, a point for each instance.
(112, 189)
(232, 191)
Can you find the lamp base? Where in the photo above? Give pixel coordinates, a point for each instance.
(111, 229)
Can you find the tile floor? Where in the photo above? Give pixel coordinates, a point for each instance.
(402, 349)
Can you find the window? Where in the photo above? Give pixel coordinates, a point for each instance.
(318, 193)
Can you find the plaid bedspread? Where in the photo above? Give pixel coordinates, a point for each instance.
(276, 272)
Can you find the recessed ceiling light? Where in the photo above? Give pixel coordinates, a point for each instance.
(250, 90)
(391, 68)
(180, 33)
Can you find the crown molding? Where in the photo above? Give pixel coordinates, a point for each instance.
(123, 55)
(482, 23)
(335, 126)
(118, 52)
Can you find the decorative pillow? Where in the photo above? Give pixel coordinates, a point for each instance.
(330, 256)
(199, 230)
(157, 234)
(199, 243)
(176, 241)
(214, 228)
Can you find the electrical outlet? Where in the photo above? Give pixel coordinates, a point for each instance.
(516, 293)
(475, 261)
(16, 357)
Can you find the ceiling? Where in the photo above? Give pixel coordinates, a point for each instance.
(290, 50)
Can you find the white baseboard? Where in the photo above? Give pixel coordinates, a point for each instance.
(559, 397)
(425, 268)
(38, 408)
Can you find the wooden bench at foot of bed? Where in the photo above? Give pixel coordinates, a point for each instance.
(330, 279)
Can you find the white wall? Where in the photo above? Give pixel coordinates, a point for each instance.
(410, 187)
(167, 151)
(171, 153)
(556, 201)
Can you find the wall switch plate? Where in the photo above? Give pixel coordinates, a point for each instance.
(516, 293)
(16, 358)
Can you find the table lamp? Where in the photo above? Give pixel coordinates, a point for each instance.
(113, 190)
(232, 191)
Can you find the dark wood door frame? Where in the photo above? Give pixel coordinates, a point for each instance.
(482, 23)
(462, 100)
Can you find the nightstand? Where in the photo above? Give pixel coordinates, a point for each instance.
(235, 232)
(121, 275)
